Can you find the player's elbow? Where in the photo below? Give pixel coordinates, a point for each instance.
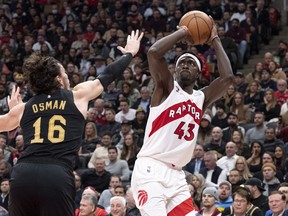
(228, 80)
(153, 52)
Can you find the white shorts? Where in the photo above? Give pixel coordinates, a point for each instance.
(160, 190)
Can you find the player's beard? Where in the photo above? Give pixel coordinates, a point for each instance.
(186, 78)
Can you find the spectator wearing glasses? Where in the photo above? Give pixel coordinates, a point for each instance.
(242, 205)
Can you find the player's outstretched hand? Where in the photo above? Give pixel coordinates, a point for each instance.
(133, 43)
(214, 33)
(15, 97)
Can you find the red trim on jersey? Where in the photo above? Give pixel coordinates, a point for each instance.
(178, 110)
(183, 208)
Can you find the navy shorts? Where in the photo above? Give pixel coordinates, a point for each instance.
(41, 190)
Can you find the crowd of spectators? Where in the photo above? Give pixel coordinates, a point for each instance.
(243, 135)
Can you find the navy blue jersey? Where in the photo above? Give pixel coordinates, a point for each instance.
(52, 127)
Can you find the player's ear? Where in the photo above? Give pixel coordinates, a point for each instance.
(59, 79)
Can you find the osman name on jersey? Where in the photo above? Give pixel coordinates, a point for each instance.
(49, 105)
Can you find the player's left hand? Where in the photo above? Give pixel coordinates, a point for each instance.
(15, 97)
(133, 43)
(214, 32)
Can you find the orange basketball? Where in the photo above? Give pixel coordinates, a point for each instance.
(199, 25)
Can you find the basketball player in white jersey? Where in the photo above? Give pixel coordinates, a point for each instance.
(158, 183)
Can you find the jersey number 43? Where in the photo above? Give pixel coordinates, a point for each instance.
(185, 132)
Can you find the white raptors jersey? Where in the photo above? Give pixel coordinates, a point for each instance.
(172, 127)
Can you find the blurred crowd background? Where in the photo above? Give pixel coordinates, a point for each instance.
(84, 34)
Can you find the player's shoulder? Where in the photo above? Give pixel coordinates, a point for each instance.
(199, 92)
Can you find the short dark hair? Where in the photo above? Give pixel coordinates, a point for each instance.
(124, 100)
(234, 169)
(113, 147)
(232, 114)
(265, 69)
(235, 19)
(115, 176)
(120, 186)
(106, 133)
(272, 155)
(220, 105)
(5, 179)
(243, 191)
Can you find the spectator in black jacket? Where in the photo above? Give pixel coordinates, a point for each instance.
(258, 199)
(97, 177)
(4, 195)
(213, 174)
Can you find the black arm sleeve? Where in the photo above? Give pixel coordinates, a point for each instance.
(115, 70)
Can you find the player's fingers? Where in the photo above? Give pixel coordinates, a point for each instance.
(141, 36)
(212, 20)
(136, 33)
(19, 99)
(132, 34)
(13, 90)
(121, 49)
(17, 90)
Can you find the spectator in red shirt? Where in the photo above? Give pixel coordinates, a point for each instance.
(99, 210)
(99, 106)
(281, 94)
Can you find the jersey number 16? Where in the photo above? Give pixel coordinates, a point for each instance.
(56, 133)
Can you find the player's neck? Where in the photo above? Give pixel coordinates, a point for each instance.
(187, 88)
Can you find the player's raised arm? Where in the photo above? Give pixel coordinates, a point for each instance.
(158, 66)
(11, 120)
(218, 87)
(91, 89)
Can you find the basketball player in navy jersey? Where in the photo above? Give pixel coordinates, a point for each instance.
(158, 183)
(42, 182)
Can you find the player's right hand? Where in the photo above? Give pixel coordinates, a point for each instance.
(214, 32)
(188, 39)
(133, 43)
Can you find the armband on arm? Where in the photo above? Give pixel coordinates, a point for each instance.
(115, 70)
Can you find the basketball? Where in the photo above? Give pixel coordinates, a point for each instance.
(199, 25)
